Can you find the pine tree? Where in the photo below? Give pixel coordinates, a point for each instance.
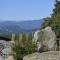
(54, 20)
(47, 22)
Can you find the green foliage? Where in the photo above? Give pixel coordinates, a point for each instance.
(47, 22)
(54, 21)
(23, 47)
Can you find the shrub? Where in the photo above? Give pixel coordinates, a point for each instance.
(23, 47)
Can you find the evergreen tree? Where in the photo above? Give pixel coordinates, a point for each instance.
(47, 22)
(54, 20)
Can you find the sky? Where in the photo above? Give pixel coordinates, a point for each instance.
(18, 10)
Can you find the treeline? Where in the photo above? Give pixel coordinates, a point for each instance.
(54, 21)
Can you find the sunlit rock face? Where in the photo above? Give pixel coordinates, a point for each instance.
(50, 55)
(45, 39)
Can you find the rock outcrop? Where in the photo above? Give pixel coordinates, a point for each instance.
(51, 55)
(45, 39)
(5, 49)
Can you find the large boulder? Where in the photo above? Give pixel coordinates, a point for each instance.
(45, 39)
(51, 55)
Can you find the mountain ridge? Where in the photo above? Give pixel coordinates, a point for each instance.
(20, 26)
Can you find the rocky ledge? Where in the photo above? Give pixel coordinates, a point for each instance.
(50, 55)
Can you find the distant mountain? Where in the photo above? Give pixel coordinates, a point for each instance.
(20, 26)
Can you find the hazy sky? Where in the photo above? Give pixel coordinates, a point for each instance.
(25, 9)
